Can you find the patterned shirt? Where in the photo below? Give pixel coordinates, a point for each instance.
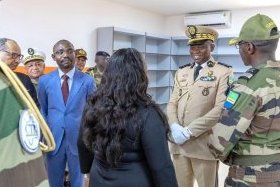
(249, 123)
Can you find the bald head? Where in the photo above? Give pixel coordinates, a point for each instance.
(10, 52)
(63, 42)
(5, 43)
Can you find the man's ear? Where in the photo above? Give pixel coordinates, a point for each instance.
(212, 47)
(53, 57)
(251, 48)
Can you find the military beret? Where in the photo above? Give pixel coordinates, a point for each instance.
(33, 54)
(257, 28)
(80, 53)
(200, 33)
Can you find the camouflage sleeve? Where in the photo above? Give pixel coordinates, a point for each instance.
(172, 106)
(207, 121)
(240, 108)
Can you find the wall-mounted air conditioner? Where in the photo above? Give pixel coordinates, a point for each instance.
(214, 19)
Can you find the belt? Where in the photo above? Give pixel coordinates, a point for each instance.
(258, 176)
(254, 160)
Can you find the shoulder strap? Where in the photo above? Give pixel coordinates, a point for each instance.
(181, 67)
(249, 74)
(226, 65)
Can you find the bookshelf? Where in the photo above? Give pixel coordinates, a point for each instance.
(163, 56)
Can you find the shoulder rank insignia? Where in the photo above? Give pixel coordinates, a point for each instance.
(226, 65)
(90, 69)
(231, 99)
(210, 64)
(249, 74)
(181, 67)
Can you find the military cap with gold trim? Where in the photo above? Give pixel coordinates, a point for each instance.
(80, 53)
(33, 54)
(200, 33)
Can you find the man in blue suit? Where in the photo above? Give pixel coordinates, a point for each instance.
(62, 95)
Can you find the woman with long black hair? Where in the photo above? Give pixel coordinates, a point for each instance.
(123, 135)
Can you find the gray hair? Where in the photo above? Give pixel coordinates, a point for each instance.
(3, 42)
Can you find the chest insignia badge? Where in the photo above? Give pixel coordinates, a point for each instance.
(180, 92)
(205, 91)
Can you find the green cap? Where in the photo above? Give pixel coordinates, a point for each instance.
(257, 28)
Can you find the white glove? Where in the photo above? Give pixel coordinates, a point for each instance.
(179, 134)
(187, 132)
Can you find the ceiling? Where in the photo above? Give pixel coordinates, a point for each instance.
(177, 7)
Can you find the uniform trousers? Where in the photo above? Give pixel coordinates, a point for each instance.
(204, 171)
(267, 175)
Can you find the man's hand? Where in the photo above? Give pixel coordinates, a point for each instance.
(179, 134)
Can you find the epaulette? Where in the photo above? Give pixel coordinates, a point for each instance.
(249, 74)
(226, 65)
(90, 69)
(181, 67)
(210, 64)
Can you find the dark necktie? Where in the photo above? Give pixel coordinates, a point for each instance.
(196, 71)
(65, 88)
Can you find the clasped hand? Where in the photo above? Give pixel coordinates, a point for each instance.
(179, 134)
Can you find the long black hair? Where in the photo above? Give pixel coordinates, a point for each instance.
(114, 105)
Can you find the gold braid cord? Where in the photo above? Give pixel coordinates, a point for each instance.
(28, 101)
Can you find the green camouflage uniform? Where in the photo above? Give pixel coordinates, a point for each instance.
(247, 136)
(96, 74)
(17, 167)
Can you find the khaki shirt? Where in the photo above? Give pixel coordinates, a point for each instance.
(197, 105)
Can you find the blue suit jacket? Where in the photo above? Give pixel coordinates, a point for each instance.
(64, 120)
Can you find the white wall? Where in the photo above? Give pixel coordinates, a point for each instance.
(40, 24)
(174, 25)
(35, 23)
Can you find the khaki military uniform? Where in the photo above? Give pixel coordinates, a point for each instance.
(197, 104)
(96, 74)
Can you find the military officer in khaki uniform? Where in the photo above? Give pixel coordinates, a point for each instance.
(194, 107)
(81, 59)
(101, 60)
(34, 63)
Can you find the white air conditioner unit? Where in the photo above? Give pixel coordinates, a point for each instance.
(214, 19)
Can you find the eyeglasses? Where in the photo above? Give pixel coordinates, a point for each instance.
(239, 43)
(61, 51)
(14, 55)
